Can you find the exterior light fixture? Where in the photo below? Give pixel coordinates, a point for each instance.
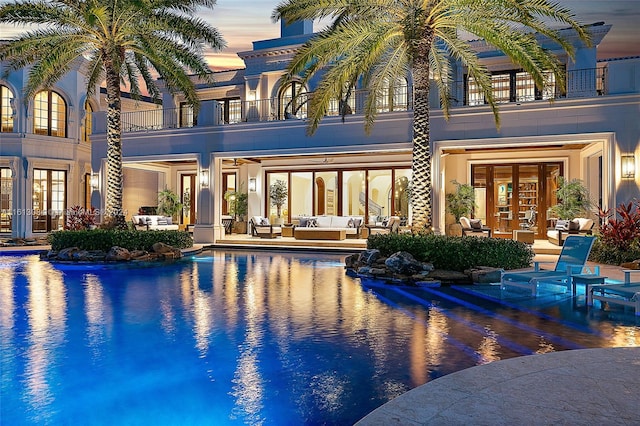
(204, 178)
(628, 165)
(95, 181)
(252, 184)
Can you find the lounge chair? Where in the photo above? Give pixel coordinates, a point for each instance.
(572, 260)
(627, 294)
(391, 226)
(260, 227)
(474, 228)
(564, 228)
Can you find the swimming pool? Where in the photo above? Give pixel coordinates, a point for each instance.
(248, 338)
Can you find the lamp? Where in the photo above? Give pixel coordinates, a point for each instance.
(252, 184)
(95, 181)
(204, 178)
(628, 165)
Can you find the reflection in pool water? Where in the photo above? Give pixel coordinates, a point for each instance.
(235, 337)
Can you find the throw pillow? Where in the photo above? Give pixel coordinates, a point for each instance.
(385, 222)
(304, 222)
(475, 223)
(149, 221)
(264, 222)
(162, 221)
(142, 221)
(312, 223)
(357, 223)
(350, 223)
(562, 225)
(169, 220)
(574, 225)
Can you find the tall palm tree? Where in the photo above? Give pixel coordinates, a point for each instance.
(377, 41)
(124, 42)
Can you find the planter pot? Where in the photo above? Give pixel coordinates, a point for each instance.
(278, 221)
(239, 227)
(454, 230)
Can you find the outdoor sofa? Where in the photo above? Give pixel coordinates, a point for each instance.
(328, 228)
(564, 228)
(153, 223)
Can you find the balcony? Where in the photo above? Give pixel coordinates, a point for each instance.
(581, 83)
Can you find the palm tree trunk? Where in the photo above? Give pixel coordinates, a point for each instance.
(421, 193)
(114, 213)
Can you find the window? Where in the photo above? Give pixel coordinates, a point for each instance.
(88, 122)
(49, 200)
(293, 101)
(393, 97)
(49, 114)
(231, 110)
(6, 111)
(187, 116)
(6, 199)
(511, 86)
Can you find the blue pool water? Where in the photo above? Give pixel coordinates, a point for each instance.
(244, 338)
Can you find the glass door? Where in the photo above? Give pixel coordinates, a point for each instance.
(503, 196)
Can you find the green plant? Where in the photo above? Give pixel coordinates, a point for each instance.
(103, 239)
(168, 203)
(462, 201)
(573, 199)
(455, 253)
(278, 193)
(238, 203)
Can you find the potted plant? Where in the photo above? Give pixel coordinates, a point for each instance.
(460, 203)
(238, 206)
(278, 193)
(573, 200)
(168, 203)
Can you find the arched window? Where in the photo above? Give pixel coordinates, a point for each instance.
(88, 122)
(6, 111)
(290, 106)
(49, 114)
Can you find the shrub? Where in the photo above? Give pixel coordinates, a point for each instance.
(80, 218)
(619, 236)
(456, 253)
(102, 239)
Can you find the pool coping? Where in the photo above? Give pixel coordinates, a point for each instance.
(583, 386)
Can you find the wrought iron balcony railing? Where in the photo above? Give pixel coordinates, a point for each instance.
(579, 83)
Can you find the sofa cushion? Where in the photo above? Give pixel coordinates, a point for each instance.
(584, 224)
(341, 221)
(304, 221)
(475, 223)
(162, 221)
(325, 222)
(563, 225)
(312, 223)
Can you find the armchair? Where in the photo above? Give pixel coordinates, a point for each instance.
(474, 228)
(260, 227)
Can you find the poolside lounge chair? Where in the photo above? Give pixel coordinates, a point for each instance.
(474, 228)
(260, 227)
(390, 226)
(627, 294)
(572, 259)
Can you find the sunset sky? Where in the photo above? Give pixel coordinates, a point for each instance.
(242, 22)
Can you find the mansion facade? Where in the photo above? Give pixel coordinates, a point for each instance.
(250, 132)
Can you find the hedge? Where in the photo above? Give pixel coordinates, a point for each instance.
(456, 253)
(103, 239)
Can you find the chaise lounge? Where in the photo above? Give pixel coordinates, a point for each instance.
(572, 260)
(627, 294)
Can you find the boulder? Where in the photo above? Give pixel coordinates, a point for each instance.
(484, 274)
(118, 254)
(369, 257)
(404, 263)
(450, 277)
(67, 253)
(166, 251)
(351, 262)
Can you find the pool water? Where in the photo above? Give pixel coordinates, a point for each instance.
(243, 338)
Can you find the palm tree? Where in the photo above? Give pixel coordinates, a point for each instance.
(377, 41)
(123, 41)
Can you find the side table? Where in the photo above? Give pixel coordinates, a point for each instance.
(587, 280)
(287, 230)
